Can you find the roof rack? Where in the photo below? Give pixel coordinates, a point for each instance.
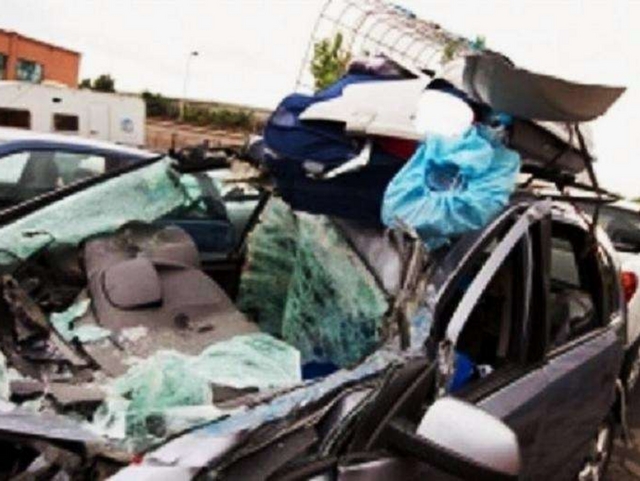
(375, 27)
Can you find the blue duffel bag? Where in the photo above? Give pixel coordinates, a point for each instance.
(299, 154)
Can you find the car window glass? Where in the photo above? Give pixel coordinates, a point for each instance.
(11, 167)
(575, 297)
(492, 334)
(26, 174)
(487, 335)
(564, 269)
(621, 225)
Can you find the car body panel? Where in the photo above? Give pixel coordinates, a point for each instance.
(581, 391)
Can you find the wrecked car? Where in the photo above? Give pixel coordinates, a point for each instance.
(324, 332)
(117, 341)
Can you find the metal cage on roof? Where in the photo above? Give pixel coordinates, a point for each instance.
(374, 27)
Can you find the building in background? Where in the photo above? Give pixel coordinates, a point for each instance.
(30, 60)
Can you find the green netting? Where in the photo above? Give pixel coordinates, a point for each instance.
(142, 398)
(144, 195)
(270, 262)
(63, 322)
(304, 282)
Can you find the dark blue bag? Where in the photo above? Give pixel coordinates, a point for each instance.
(298, 153)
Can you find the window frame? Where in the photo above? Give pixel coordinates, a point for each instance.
(3, 66)
(56, 116)
(37, 64)
(604, 321)
(505, 247)
(14, 110)
(525, 343)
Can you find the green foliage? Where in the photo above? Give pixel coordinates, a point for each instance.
(103, 83)
(159, 106)
(217, 118)
(329, 62)
(451, 49)
(480, 43)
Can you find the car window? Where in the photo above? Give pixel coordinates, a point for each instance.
(220, 212)
(621, 225)
(492, 335)
(488, 337)
(11, 169)
(26, 174)
(564, 269)
(576, 290)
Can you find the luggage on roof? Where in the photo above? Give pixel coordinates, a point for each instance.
(318, 168)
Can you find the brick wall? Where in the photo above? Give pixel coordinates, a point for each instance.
(59, 64)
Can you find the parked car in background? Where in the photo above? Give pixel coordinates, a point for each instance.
(33, 164)
(621, 221)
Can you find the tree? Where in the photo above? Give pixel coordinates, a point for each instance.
(104, 83)
(329, 62)
(85, 83)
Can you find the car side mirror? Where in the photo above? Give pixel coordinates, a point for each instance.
(461, 440)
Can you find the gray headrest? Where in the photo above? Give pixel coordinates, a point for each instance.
(133, 284)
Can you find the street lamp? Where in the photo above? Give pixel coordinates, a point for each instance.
(184, 86)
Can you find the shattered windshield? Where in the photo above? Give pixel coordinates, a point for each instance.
(133, 317)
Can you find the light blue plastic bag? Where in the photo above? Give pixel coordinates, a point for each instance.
(452, 185)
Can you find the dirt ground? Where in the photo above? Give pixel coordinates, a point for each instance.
(161, 135)
(625, 463)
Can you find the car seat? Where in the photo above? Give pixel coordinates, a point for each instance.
(572, 312)
(149, 277)
(40, 175)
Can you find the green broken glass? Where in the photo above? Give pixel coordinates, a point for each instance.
(144, 195)
(304, 283)
(63, 322)
(153, 389)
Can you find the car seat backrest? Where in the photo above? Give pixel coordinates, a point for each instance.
(572, 311)
(40, 172)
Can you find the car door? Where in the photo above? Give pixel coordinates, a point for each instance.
(584, 348)
(490, 313)
(514, 384)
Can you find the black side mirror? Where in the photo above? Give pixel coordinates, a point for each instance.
(461, 440)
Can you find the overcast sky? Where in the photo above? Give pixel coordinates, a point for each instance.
(251, 50)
